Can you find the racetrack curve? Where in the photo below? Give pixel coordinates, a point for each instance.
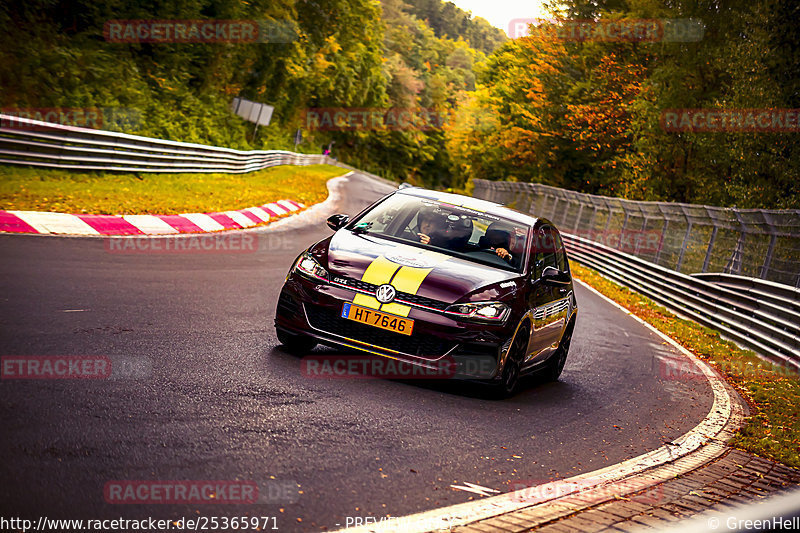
(219, 400)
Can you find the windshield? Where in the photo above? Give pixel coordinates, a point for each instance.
(451, 229)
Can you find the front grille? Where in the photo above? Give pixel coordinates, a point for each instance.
(421, 345)
(406, 297)
(421, 300)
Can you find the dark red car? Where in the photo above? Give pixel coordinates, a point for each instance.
(429, 277)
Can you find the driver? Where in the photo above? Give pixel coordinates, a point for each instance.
(498, 239)
(430, 224)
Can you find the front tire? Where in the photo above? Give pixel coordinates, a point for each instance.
(555, 365)
(510, 375)
(297, 344)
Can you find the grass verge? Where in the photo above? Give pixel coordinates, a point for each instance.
(773, 392)
(31, 189)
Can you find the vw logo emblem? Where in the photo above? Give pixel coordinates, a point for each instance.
(385, 294)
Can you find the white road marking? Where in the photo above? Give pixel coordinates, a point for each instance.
(477, 489)
(279, 210)
(260, 213)
(288, 205)
(55, 223)
(150, 224)
(240, 219)
(204, 222)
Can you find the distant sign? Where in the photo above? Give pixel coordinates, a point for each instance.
(254, 112)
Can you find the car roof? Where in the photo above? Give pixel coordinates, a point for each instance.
(471, 203)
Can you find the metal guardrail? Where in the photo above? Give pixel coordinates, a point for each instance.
(757, 288)
(31, 142)
(768, 327)
(760, 243)
(757, 314)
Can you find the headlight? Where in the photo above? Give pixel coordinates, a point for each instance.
(309, 267)
(486, 312)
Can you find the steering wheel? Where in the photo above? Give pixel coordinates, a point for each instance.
(509, 258)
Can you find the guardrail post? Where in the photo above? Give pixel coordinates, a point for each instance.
(642, 230)
(683, 246)
(768, 258)
(594, 217)
(578, 218)
(734, 264)
(608, 218)
(552, 213)
(661, 241)
(566, 212)
(707, 260)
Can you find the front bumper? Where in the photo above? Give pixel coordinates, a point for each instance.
(468, 351)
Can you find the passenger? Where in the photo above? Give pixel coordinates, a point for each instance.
(498, 240)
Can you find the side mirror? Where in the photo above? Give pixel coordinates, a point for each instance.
(552, 275)
(336, 222)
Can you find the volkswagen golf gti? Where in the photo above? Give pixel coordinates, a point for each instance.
(436, 280)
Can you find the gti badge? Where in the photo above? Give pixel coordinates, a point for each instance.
(385, 294)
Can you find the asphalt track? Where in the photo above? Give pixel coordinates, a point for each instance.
(217, 399)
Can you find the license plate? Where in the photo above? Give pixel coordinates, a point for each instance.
(377, 319)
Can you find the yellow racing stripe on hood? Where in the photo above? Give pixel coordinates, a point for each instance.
(378, 272)
(404, 279)
(409, 279)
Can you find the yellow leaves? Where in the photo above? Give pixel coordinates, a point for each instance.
(332, 46)
(320, 63)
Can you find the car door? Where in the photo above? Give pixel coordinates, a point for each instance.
(560, 308)
(543, 296)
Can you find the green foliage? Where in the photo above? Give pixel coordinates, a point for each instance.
(586, 115)
(449, 21)
(346, 54)
(55, 55)
(425, 68)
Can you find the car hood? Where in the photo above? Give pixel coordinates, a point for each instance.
(414, 269)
